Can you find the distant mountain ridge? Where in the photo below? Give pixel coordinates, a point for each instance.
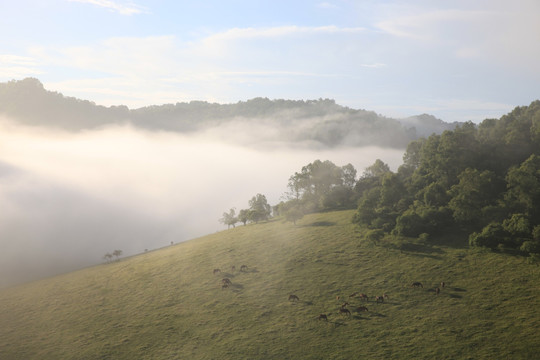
(321, 123)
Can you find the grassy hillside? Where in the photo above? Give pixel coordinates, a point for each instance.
(168, 304)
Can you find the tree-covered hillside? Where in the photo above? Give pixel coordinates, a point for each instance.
(483, 181)
(312, 123)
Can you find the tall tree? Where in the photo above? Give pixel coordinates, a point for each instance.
(229, 218)
(259, 209)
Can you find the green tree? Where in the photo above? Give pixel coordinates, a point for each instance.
(243, 216)
(475, 192)
(229, 218)
(259, 209)
(117, 253)
(294, 214)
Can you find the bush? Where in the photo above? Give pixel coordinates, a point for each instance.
(491, 236)
(375, 235)
(530, 247)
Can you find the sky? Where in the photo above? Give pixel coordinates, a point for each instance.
(457, 60)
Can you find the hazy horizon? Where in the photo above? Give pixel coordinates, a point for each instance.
(457, 60)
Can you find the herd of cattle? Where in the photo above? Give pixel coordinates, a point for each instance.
(344, 309)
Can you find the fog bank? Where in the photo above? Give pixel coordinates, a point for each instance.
(69, 198)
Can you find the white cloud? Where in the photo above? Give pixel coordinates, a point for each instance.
(159, 69)
(17, 67)
(327, 5)
(281, 31)
(121, 8)
(494, 32)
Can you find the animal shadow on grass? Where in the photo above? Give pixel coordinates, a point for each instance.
(337, 323)
(303, 302)
(459, 289)
(455, 296)
(236, 287)
(421, 250)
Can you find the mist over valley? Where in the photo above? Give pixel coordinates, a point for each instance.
(70, 196)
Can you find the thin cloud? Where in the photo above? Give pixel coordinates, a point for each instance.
(123, 9)
(15, 66)
(281, 31)
(327, 5)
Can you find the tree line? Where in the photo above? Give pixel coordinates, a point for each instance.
(479, 182)
(321, 122)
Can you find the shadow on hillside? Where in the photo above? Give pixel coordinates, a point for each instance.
(320, 223)
(235, 287)
(420, 248)
(337, 323)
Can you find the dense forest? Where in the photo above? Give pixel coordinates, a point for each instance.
(480, 182)
(313, 123)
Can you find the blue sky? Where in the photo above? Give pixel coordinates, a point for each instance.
(458, 60)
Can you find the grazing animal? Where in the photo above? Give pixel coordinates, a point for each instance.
(437, 291)
(364, 297)
(417, 284)
(353, 294)
(217, 271)
(361, 308)
(243, 268)
(443, 284)
(344, 305)
(226, 281)
(293, 298)
(233, 268)
(379, 299)
(224, 286)
(323, 317)
(338, 298)
(344, 311)
(386, 296)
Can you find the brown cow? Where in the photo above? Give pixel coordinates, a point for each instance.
(344, 305)
(379, 299)
(443, 284)
(361, 308)
(226, 281)
(243, 268)
(364, 297)
(345, 311)
(353, 294)
(233, 268)
(417, 284)
(217, 271)
(437, 291)
(293, 298)
(224, 286)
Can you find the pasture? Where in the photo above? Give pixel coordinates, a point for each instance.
(173, 303)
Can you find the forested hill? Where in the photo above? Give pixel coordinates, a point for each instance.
(313, 122)
(482, 181)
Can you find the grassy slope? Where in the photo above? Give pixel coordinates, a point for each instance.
(167, 304)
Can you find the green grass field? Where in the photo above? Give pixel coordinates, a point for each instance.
(168, 304)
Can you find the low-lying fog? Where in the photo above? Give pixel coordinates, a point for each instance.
(69, 198)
